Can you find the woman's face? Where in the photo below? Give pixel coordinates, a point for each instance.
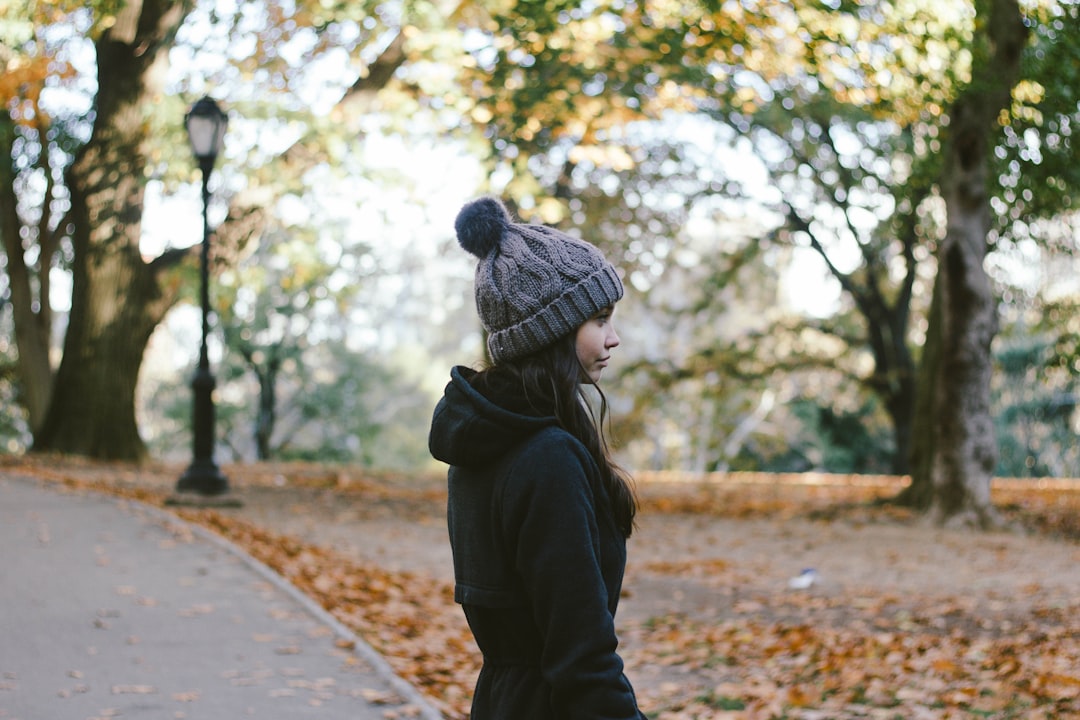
(594, 341)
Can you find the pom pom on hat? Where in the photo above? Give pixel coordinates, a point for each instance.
(480, 225)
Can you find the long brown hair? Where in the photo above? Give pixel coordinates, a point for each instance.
(551, 380)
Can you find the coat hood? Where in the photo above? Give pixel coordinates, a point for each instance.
(471, 430)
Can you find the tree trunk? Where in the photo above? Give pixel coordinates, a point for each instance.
(267, 416)
(901, 411)
(116, 296)
(264, 423)
(920, 492)
(893, 379)
(964, 453)
(31, 315)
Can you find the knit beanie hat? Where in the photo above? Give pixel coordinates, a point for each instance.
(534, 284)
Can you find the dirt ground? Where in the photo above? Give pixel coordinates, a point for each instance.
(903, 620)
(682, 562)
(696, 569)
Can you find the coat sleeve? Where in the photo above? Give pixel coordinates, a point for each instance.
(550, 522)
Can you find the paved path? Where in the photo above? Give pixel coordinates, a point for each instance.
(111, 609)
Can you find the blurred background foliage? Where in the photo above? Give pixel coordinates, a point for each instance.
(763, 173)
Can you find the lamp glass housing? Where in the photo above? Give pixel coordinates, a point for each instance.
(206, 124)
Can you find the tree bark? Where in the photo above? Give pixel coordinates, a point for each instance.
(965, 453)
(31, 315)
(893, 379)
(920, 492)
(266, 418)
(117, 299)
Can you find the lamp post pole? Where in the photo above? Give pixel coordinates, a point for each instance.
(205, 124)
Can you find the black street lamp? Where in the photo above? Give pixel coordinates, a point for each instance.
(205, 124)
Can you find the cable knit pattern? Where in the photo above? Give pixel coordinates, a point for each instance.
(534, 284)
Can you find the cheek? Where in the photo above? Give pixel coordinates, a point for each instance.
(593, 341)
(579, 347)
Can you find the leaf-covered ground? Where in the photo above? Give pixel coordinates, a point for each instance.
(902, 620)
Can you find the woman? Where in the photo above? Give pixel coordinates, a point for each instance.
(538, 513)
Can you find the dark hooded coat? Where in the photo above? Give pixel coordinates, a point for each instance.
(538, 559)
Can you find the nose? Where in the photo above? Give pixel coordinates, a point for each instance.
(612, 339)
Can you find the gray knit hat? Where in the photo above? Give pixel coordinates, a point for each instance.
(534, 284)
